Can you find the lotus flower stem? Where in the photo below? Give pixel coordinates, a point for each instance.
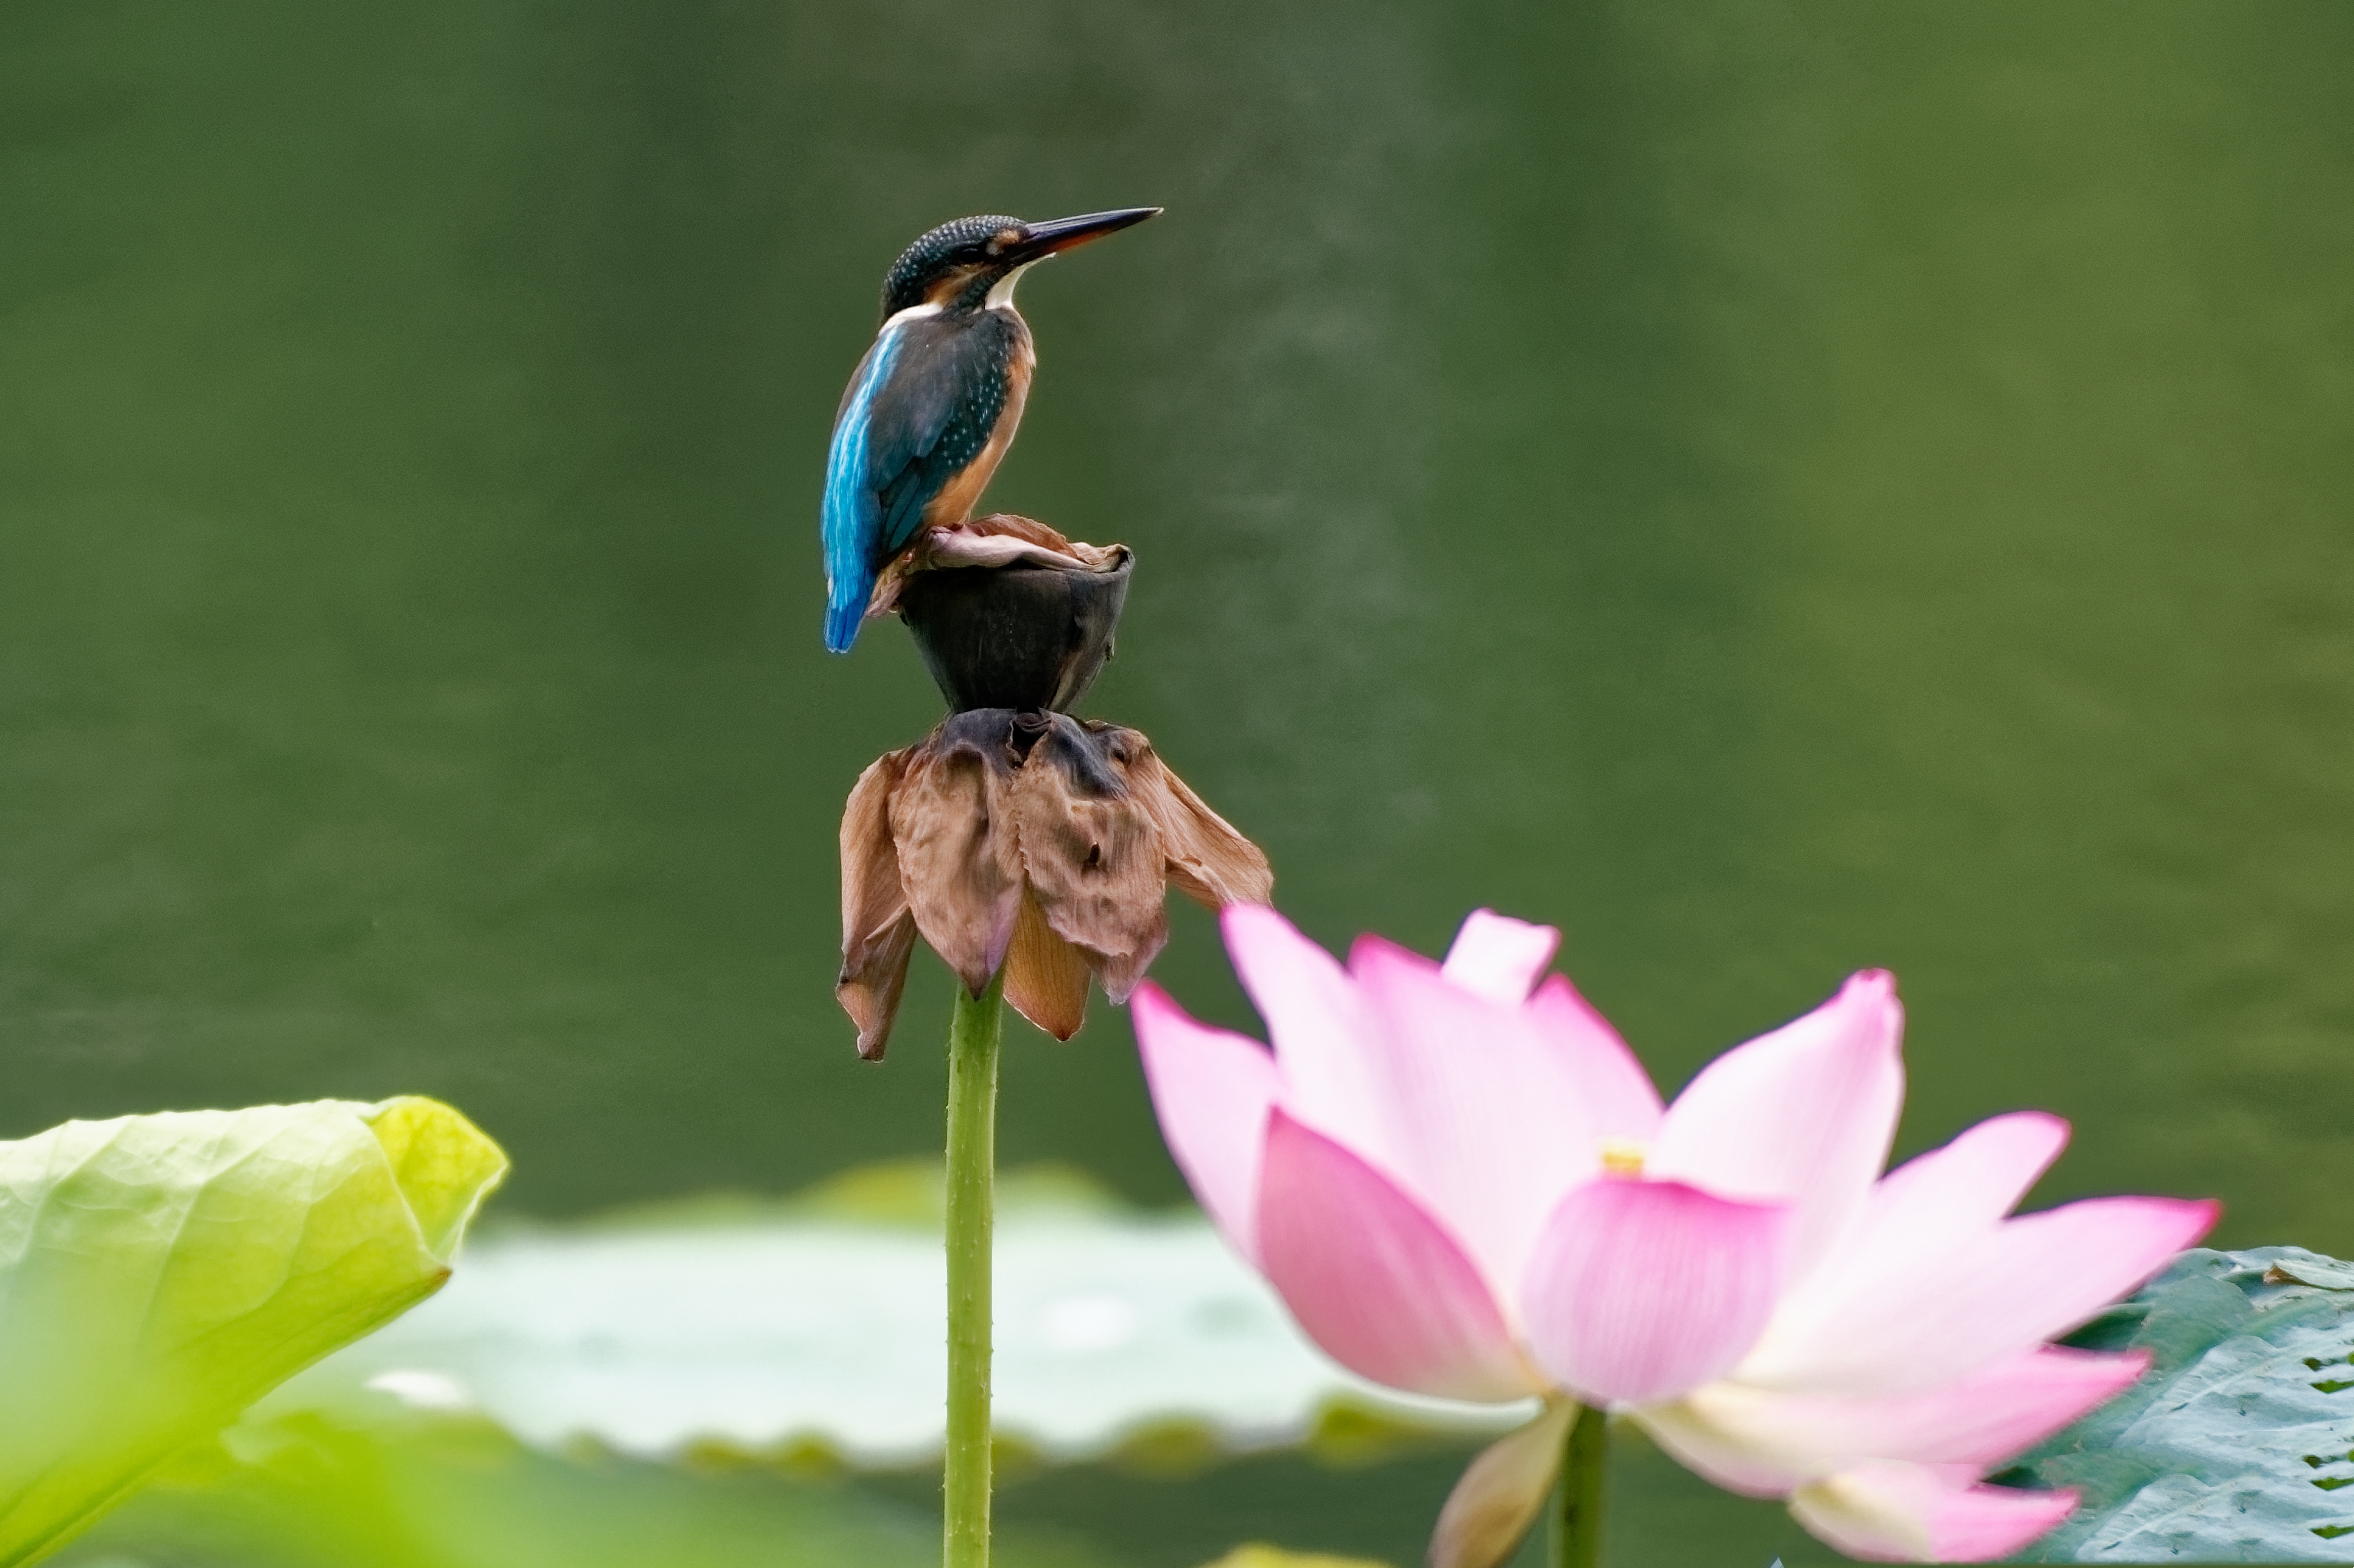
(975, 1029)
(1585, 1453)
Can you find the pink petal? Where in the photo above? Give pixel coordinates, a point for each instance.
(1969, 1184)
(1482, 1112)
(1766, 1444)
(1499, 958)
(1802, 1116)
(1612, 1086)
(1211, 1091)
(1644, 1290)
(1917, 1513)
(1924, 1210)
(1319, 1025)
(1375, 1280)
(1488, 1127)
(1938, 1313)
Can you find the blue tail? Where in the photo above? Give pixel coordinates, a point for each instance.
(842, 619)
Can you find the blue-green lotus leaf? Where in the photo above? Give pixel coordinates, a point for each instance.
(2239, 1445)
(159, 1273)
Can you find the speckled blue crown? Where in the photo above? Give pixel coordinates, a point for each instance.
(950, 244)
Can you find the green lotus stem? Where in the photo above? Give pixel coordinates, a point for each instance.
(975, 1028)
(1577, 1528)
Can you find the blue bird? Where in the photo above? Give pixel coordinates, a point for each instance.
(935, 403)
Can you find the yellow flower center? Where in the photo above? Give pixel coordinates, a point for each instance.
(1623, 1156)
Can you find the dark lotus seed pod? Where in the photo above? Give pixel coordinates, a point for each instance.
(1009, 614)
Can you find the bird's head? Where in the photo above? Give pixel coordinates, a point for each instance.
(962, 265)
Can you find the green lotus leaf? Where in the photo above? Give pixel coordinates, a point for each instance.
(159, 1273)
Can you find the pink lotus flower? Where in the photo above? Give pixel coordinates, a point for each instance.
(1464, 1185)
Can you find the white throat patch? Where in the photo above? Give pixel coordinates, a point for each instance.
(1001, 295)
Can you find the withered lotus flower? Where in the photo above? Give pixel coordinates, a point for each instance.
(1029, 840)
(1014, 835)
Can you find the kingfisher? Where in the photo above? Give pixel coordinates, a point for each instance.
(933, 405)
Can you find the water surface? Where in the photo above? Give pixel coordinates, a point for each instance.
(1770, 489)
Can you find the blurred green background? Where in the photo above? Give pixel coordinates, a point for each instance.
(1770, 488)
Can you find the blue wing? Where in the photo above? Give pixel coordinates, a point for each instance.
(921, 406)
(852, 523)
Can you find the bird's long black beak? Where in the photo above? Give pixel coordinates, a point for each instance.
(1040, 240)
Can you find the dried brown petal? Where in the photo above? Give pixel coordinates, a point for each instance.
(870, 984)
(1093, 856)
(1027, 840)
(879, 933)
(1208, 861)
(1014, 525)
(1000, 539)
(960, 866)
(871, 896)
(1046, 978)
